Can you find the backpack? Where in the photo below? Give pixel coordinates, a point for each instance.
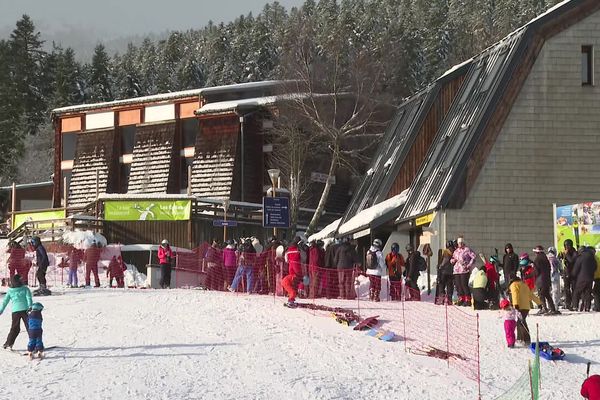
(371, 261)
(421, 264)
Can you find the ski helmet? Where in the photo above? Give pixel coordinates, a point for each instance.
(524, 262)
(494, 259)
(37, 306)
(409, 247)
(450, 243)
(377, 243)
(504, 303)
(165, 242)
(395, 247)
(552, 250)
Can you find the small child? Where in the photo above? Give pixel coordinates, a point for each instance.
(510, 321)
(35, 331)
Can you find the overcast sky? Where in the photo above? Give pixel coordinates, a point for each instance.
(77, 22)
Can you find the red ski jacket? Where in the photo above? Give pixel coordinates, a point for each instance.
(591, 388)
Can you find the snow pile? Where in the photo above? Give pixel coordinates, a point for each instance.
(368, 215)
(325, 232)
(134, 278)
(83, 239)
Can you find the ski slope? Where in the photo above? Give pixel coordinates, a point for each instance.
(188, 344)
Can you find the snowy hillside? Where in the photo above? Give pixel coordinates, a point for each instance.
(186, 344)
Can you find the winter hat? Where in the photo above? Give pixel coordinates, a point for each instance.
(15, 281)
(552, 250)
(409, 247)
(504, 303)
(523, 256)
(37, 306)
(538, 249)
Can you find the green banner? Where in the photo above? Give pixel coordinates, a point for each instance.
(150, 210)
(38, 216)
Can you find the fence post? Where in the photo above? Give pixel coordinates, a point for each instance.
(478, 361)
(447, 333)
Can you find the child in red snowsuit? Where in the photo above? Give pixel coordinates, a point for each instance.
(115, 270)
(591, 388)
(510, 316)
(294, 277)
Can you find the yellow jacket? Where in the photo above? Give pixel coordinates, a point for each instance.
(522, 296)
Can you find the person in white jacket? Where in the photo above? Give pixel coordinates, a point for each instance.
(375, 269)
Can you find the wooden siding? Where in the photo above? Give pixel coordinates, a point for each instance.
(425, 137)
(72, 124)
(147, 232)
(152, 158)
(94, 152)
(130, 117)
(214, 161)
(186, 110)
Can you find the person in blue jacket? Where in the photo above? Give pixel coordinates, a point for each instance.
(35, 331)
(20, 296)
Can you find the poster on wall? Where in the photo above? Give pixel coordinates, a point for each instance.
(578, 222)
(49, 215)
(151, 210)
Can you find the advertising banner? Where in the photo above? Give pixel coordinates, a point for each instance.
(38, 216)
(151, 210)
(578, 222)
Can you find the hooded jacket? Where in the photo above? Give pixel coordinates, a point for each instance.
(585, 267)
(345, 256)
(20, 297)
(463, 259)
(229, 259)
(294, 259)
(542, 268)
(164, 254)
(522, 296)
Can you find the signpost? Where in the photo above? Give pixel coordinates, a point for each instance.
(276, 212)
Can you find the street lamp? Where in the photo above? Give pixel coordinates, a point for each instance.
(274, 175)
(225, 207)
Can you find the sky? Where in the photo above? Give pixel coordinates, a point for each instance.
(81, 23)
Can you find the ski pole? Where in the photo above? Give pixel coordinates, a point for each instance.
(587, 374)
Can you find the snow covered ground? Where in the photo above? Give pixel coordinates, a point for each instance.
(189, 344)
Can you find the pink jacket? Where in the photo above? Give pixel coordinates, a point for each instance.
(164, 255)
(463, 259)
(229, 256)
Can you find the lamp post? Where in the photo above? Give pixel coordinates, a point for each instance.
(274, 175)
(225, 208)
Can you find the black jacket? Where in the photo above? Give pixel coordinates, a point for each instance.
(510, 265)
(412, 265)
(542, 267)
(41, 257)
(585, 267)
(345, 256)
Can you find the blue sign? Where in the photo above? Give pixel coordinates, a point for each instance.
(276, 212)
(222, 222)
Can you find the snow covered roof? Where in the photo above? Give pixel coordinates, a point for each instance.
(248, 104)
(239, 87)
(28, 185)
(134, 100)
(325, 232)
(364, 218)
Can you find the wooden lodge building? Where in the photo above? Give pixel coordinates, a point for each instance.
(197, 148)
(486, 149)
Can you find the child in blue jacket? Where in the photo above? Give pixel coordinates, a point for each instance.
(35, 331)
(20, 296)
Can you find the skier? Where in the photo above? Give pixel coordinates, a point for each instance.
(213, 267)
(375, 269)
(583, 276)
(590, 389)
(568, 256)
(229, 262)
(91, 257)
(445, 278)
(542, 267)
(165, 255)
(510, 263)
(294, 277)
(115, 271)
(20, 296)
(480, 282)
(527, 270)
(42, 263)
(316, 257)
(73, 258)
(463, 259)
(345, 260)
(16, 260)
(415, 263)
(510, 316)
(493, 282)
(35, 331)
(522, 297)
(555, 274)
(246, 260)
(395, 264)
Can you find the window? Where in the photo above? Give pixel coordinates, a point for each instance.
(69, 142)
(189, 128)
(127, 139)
(587, 65)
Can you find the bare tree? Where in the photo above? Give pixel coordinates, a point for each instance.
(337, 82)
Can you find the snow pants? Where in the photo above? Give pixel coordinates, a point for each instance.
(596, 294)
(72, 279)
(509, 331)
(445, 289)
(290, 284)
(583, 294)
(239, 274)
(412, 291)
(375, 287)
(461, 281)
(568, 285)
(214, 279)
(479, 297)
(556, 292)
(15, 327)
(546, 298)
(41, 276)
(120, 279)
(165, 276)
(315, 276)
(35, 340)
(345, 283)
(89, 269)
(522, 328)
(396, 289)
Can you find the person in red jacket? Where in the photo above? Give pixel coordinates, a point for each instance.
(16, 260)
(591, 388)
(493, 282)
(316, 259)
(527, 270)
(295, 275)
(165, 255)
(91, 258)
(115, 270)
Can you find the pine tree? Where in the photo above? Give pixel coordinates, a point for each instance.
(100, 76)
